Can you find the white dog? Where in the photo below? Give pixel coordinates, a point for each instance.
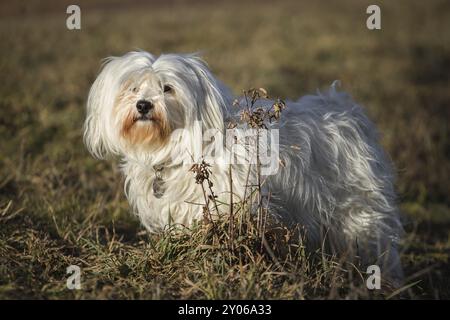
(335, 179)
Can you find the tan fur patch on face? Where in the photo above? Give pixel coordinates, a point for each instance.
(153, 132)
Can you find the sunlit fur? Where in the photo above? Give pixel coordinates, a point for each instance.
(335, 181)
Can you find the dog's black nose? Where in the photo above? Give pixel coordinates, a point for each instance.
(144, 106)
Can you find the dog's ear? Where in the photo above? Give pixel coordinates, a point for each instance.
(99, 134)
(94, 126)
(203, 96)
(215, 95)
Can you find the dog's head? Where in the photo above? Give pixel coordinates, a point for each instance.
(138, 101)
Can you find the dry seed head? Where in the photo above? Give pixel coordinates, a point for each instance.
(202, 172)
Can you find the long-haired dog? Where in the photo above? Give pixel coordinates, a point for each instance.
(335, 180)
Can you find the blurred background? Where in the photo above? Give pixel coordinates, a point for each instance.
(400, 74)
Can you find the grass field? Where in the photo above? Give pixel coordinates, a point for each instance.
(58, 206)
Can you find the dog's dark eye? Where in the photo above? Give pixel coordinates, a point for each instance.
(135, 89)
(167, 88)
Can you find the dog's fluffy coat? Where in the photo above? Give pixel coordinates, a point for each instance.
(337, 183)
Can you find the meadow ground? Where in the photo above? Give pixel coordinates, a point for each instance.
(58, 206)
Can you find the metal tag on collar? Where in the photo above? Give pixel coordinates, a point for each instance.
(158, 182)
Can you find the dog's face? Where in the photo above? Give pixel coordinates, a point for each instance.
(146, 110)
(137, 101)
